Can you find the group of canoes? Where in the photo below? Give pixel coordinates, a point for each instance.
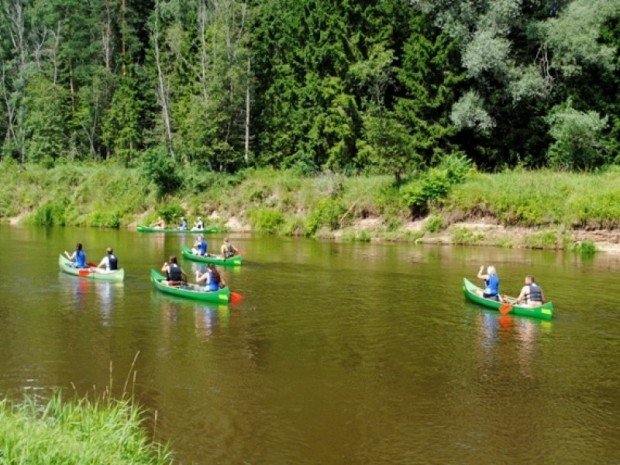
(210, 286)
(160, 227)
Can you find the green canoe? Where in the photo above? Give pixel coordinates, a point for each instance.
(189, 291)
(215, 259)
(472, 292)
(148, 229)
(90, 273)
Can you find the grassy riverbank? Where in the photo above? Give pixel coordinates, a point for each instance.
(541, 209)
(75, 432)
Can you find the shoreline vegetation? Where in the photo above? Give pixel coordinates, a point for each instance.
(78, 431)
(449, 204)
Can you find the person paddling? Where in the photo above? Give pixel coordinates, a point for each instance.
(174, 273)
(531, 294)
(200, 246)
(198, 225)
(109, 262)
(228, 250)
(491, 282)
(78, 257)
(183, 224)
(213, 280)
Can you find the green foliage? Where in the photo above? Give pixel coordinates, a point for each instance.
(266, 220)
(50, 214)
(46, 106)
(584, 248)
(170, 213)
(542, 240)
(158, 168)
(577, 138)
(435, 184)
(465, 236)
(326, 213)
(76, 432)
(434, 224)
(538, 198)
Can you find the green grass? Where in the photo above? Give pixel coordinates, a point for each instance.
(542, 198)
(76, 432)
(285, 202)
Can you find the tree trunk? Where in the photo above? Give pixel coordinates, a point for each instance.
(162, 88)
(246, 153)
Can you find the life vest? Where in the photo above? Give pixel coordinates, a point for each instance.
(202, 247)
(80, 259)
(112, 262)
(229, 251)
(534, 293)
(174, 272)
(492, 285)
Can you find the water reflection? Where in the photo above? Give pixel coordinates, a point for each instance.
(495, 331)
(207, 320)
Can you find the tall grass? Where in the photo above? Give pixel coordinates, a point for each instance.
(76, 432)
(542, 198)
(285, 202)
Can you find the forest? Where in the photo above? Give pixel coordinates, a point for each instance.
(347, 86)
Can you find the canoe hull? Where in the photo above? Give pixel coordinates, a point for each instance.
(545, 311)
(222, 296)
(66, 266)
(148, 229)
(237, 260)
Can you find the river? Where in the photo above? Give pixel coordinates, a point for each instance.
(339, 353)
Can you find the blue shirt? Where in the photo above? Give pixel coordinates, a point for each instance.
(202, 247)
(492, 285)
(80, 259)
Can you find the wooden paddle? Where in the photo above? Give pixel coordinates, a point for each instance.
(236, 298)
(505, 308)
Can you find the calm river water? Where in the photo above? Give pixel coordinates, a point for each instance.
(339, 354)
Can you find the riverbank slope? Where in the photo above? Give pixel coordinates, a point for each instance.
(535, 209)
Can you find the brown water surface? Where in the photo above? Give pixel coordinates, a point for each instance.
(340, 353)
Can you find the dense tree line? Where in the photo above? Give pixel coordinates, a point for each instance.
(346, 85)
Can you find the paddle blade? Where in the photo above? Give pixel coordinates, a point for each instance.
(83, 272)
(91, 264)
(505, 309)
(236, 298)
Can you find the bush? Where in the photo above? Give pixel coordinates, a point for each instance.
(585, 248)
(327, 213)
(435, 184)
(465, 236)
(266, 220)
(170, 213)
(576, 134)
(158, 168)
(434, 223)
(542, 240)
(51, 213)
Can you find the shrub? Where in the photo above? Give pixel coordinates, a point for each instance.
(435, 184)
(585, 248)
(465, 236)
(327, 213)
(51, 213)
(577, 138)
(158, 168)
(434, 223)
(170, 213)
(266, 220)
(542, 240)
